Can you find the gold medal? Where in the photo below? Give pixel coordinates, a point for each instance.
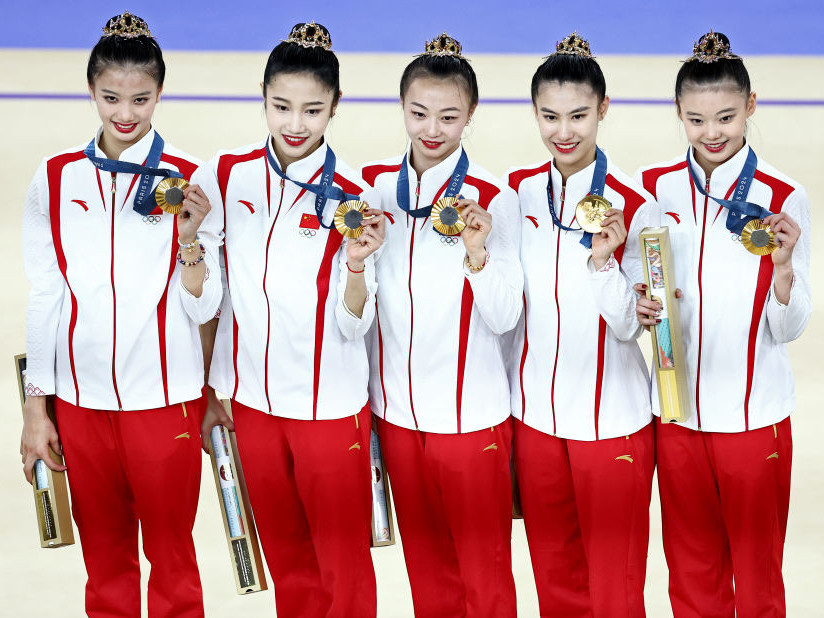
(169, 194)
(349, 218)
(758, 238)
(446, 216)
(590, 211)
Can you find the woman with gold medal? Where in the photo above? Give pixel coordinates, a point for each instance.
(583, 439)
(449, 285)
(120, 267)
(289, 349)
(740, 237)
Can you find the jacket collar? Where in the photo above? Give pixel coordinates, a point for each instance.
(722, 176)
(303, 169)
(136, 153)
(435, 177)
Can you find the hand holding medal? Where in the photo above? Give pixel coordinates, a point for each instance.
(190, 211)
(784, 234)
(610, 234)
(372, 225)
(478, 226)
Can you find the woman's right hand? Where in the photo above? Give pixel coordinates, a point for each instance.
(39, 434)
(648, 310)
(215, 414)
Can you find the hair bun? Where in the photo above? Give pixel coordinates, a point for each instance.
(310, 35)
(443, 45)
(127, 26)
(712, 47)
(574, 45)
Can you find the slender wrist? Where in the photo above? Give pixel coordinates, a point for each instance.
(477, 257)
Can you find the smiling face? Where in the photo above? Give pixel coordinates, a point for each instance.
(568, 114)
(435, 112)
(125, 99)
(298, 109)
(715, 121)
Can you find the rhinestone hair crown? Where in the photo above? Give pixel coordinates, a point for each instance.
(127, 26)
(310, 35)
(574, 45)
(711, 48)
(443, 45)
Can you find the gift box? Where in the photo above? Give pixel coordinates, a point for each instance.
(668, 358)
(51, 491)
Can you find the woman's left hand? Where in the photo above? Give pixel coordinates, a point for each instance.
(194, 209)
(786, 233)
(374, 230)
(478, 226)
(613, 234)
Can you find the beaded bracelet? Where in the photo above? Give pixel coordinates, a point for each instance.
(472, 267)
(183, 262)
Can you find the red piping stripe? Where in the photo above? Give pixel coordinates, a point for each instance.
(380, 357)
(224, 171)
(54, 172)
(467, 300)
(599, 376)
(333, 243)
(523, 362)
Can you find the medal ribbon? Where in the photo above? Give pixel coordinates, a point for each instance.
(599, 179)
(144, 200)
(452, 189)
(323, 191)
(740, 212)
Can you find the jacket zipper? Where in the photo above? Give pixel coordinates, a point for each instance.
(412, 305)
(114, 300)
(701, 303)
(266, 295)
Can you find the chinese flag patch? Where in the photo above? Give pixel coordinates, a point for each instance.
(309, 222)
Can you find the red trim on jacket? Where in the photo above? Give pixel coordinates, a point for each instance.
(54, 172)
(467, 300)
(486, 190)
(333, 243)
(649, 178)
(370, 173)
(518, 176)
(632, 203)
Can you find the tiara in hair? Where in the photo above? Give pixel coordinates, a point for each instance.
(310, 35)
(574, 45)
(443, 45)
(711, 48)
(127, 26)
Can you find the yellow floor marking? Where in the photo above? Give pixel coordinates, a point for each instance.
(185, 434)
(625, 458)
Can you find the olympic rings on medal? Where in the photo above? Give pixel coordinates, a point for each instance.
(306, 233)
(450, 240)
(153, 219)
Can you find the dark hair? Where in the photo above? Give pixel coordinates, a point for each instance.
(115, 50)
(442, 67)
(570, 68)
(317, 60)
(712, 63)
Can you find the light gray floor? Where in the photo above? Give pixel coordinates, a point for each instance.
(37, 581)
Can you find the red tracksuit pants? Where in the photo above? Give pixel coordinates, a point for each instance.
(310, 487)
(453, 499)
(130, 468)
(724, 504)
(586, 513)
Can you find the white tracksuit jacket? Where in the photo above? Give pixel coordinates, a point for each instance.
(735, 331)
(576, 370)
(286, 343)
(435, 352)
(109, 325)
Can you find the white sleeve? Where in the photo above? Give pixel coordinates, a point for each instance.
(611, 286)
(203, 308)
(498, 289)
(787, 322)
(47, 287)
(351, 325)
